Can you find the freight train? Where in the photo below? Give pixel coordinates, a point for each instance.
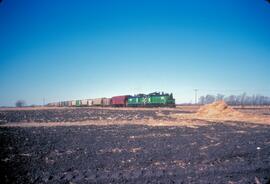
(141, 100)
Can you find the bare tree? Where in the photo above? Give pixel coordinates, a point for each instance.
(219, 97)
(209, 99)
(202, 100)
(20, 103)
(242, 99)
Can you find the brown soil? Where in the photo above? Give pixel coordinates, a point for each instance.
(217, 144)
(149, 122)
(118, 154)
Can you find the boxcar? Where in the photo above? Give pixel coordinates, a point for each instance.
(56, 104)
(53, 104)
(119, 101)
(89, 102)
(73, 103)
(106, 102)
(97, 102)
(62, 104)
(78, 103)
(69, 103)
(84, 103)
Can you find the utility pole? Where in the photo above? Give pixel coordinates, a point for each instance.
(43, 102)
(196, 91)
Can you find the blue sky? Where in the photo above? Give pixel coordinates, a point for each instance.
(61, 50)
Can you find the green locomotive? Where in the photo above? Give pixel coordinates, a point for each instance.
(151, 100)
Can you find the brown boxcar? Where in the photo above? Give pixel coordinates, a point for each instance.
(119, 101)
(69, 103)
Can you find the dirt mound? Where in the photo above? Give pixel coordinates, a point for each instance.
(218, 109)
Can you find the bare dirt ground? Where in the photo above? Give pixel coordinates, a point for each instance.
(126, 145)
(220, 112)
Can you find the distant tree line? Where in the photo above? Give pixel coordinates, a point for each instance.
(242, 99)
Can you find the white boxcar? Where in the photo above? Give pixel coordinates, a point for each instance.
(89, 102)
(73, 103)
(84, 102)
(97, 101)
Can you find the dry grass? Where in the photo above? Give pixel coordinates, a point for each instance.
(190, 123)
(221, 112)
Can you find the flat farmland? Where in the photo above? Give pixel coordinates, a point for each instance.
(126, 145)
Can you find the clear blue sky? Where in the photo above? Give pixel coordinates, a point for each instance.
(61, 50)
